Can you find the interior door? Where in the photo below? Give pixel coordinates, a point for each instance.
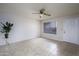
(71, 27)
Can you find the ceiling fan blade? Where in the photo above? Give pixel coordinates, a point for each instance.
(40, 17)
(35, 13)
(47, 14)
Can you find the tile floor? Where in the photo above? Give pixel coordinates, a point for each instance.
(40, 47)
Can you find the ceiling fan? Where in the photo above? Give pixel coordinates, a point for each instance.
(43, 12)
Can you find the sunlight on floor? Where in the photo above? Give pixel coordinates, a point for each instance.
(53, 48)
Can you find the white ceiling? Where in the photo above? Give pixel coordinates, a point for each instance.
(26, 9)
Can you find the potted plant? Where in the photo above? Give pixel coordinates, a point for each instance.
(6, 28)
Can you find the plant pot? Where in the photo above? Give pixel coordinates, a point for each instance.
(6, 36)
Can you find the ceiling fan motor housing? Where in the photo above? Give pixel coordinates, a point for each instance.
(42, 11)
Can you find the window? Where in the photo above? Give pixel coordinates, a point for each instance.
(50, 27)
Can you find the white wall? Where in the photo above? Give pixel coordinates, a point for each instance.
(23, 28)
(71, 29)
(60, 29)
